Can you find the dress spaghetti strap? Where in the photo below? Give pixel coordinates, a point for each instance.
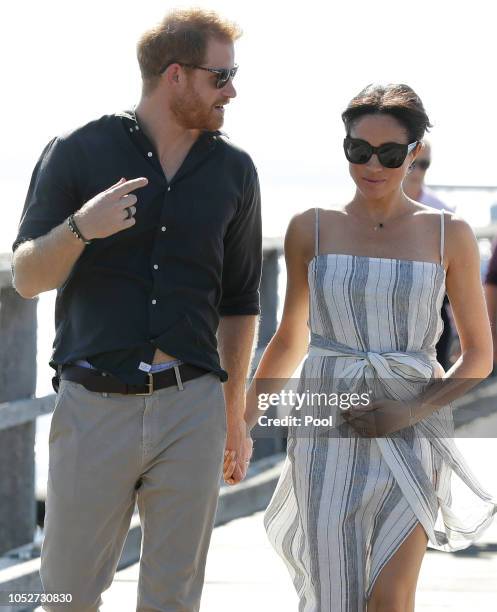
(442, 228)
(316, 233)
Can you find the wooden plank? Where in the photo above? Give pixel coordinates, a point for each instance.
(5, 272)
(23, 411)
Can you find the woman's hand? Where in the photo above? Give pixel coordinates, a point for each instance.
(236, 464)
(379, 418)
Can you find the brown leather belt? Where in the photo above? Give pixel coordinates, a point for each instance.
(94, 380)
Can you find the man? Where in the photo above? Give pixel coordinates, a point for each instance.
(415, 188)
(414, 183)
(147, 222)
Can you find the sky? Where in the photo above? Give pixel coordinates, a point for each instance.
(65, 63)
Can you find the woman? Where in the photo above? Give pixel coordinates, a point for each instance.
(357, 503)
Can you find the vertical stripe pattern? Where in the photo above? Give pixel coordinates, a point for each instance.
(344, 504)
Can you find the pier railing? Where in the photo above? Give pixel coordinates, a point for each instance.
(19, 408)
(17, 423)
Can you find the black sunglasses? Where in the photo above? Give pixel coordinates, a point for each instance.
(223, 74)
(422, 164)
(390, 154)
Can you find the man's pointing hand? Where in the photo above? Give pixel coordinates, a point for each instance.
(110, 211)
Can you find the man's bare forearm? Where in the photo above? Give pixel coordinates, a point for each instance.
(45, 263)
(237, 336)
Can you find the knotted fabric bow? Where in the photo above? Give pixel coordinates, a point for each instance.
(395, 369)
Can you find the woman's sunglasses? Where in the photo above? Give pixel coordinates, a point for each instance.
(223, 74)
(390, 154)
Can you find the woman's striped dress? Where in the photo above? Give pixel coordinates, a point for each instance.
(343, 503)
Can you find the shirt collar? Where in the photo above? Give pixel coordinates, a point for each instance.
(130, 120)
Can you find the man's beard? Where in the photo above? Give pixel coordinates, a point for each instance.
(192, 113)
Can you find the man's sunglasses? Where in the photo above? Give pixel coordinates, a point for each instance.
(390, 154)
(223, 74)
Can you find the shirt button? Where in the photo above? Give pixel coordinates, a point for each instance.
(156, 267)
(130, 129)
(169, 188)
(163, 228)
(154, 302)
(150, 153)
(137, 128)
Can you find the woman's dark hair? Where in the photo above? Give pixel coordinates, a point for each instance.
(398, 100)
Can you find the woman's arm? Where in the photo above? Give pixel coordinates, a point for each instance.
(289, 344)
(469, 309)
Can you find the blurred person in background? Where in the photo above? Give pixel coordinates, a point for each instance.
(490, 286)
(414, 183)
(415, 188)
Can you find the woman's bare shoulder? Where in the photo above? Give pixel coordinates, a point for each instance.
(299, 235)
(301, 232)
(303, 224)
(458, 230)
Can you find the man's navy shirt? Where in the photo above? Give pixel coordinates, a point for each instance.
(194, 254)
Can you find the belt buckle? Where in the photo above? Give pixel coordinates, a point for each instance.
(150, 384)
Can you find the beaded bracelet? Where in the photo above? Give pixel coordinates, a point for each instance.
(75, 230)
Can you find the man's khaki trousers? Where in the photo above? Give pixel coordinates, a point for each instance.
(106, 451)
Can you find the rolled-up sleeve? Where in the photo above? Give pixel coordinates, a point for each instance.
(242, 265)
(52, 193)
